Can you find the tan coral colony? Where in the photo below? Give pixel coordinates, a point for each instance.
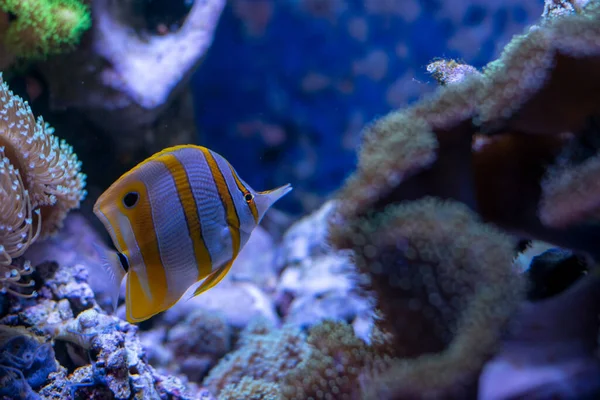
(40, 181)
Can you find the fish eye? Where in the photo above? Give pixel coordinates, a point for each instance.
(131, 199)
(248, 197)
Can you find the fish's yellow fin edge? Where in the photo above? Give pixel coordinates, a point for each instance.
(214, 278)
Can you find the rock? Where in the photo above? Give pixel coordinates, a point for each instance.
(238, 302)
(74, 246)
(306, 238)
(316, 282)
(255, 263)
(123, 77)
(104, 353)
(550, 350)
(552, 272)
(191, 346)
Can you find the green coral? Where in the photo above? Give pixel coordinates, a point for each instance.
(43, 27)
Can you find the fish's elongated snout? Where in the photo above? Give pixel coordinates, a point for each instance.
(264, 200)
(278, 193)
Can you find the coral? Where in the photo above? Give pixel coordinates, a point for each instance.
(488, 140)
(262, 355)
(251, 389)
(558, 8)
(494, 150)
(15, 276)
(450, 71)
(198, 342)
(336, 362)
(127, 75)
(26, 360)
(66, 284)
(572, 181)
(94, 356)
(42, 27)
(117, 368)
(40, 182)
(287, 364)
(436, 268)
(317, 282)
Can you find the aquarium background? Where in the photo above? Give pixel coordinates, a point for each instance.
(288, 85)
(449, 264)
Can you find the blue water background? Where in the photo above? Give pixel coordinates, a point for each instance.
(288, 85)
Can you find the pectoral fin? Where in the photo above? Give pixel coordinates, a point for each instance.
(115, 272)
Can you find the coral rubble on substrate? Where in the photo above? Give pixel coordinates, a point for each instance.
(92, 355)
(95, 355)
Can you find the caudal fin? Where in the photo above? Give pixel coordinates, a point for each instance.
(111, 264)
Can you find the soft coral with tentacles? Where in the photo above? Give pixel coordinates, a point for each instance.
(512, 147)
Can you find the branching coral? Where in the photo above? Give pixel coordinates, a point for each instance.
(41, 27)
(39, 182)
(493, 147)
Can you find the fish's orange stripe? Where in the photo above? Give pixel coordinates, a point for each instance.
(142, 225)
(140, 218)
(190, 208)
(154, 156)
(233, 220)
(245, 190)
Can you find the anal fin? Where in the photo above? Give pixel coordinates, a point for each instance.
(214, 278)
(140, 307)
